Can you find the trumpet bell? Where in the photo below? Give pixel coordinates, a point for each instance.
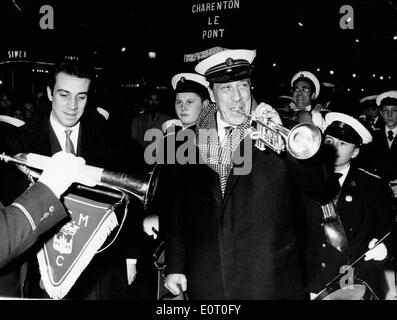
(141, 186)
(303, 140)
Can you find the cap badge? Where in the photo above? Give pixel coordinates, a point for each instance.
(341, 125)
(182, 80)
(229, 62)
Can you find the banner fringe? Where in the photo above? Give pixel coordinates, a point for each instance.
(58, 292)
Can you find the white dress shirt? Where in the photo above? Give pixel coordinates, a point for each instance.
(344, 173)
(387, 134)
(60, 132)
(221, 124)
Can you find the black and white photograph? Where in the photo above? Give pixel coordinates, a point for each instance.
(198, 158)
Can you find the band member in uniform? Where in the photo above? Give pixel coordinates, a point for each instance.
(370, 113)
(38, 209)
(305, 89)
(191, 94)
(230, 229)
(381, 155)
(364, 210)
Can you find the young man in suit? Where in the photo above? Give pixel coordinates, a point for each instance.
(74, 126)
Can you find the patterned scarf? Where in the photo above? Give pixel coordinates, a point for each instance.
(216, 155)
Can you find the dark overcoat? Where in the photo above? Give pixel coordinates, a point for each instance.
(245, 245)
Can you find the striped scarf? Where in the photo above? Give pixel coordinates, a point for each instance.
(219, 157)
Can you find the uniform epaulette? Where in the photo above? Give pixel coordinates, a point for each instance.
(371, 174)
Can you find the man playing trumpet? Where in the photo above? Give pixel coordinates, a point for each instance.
(232, 234)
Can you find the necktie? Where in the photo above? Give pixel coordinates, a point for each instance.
(338, 175)
(228, 131)
(226, 145)
(390, 135)
(69, 148)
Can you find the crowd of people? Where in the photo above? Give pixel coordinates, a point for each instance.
(236, 220)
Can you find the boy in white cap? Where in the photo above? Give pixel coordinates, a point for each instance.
(231, 235)
(191, 94)
(305, 89)
(363, 206)
(370, 112)
(381, 155)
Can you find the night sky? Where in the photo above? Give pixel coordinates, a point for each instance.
(288, 35)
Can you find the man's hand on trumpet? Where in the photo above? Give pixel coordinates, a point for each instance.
(263, 113)
(62, 170)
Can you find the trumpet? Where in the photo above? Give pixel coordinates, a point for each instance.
(302, 141)
(142, 187)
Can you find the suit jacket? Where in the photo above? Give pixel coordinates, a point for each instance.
(245, 245)
(378, 158)
(105, 276)
(22, 224)
(366, 213)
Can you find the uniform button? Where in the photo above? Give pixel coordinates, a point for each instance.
(323, 245)
(350, 229)
(51, 209)
(323, 264)
(44, 216)
(322, 224)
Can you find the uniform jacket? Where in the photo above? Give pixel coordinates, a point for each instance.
(378, 158)
(245, 245)
(31, 215)
(366, 213)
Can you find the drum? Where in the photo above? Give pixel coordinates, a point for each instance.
(359, 290)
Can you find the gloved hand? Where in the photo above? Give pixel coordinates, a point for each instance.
(62, 170)
(149, 223)
(378, 253)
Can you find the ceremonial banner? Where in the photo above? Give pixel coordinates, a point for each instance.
(64, 257)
